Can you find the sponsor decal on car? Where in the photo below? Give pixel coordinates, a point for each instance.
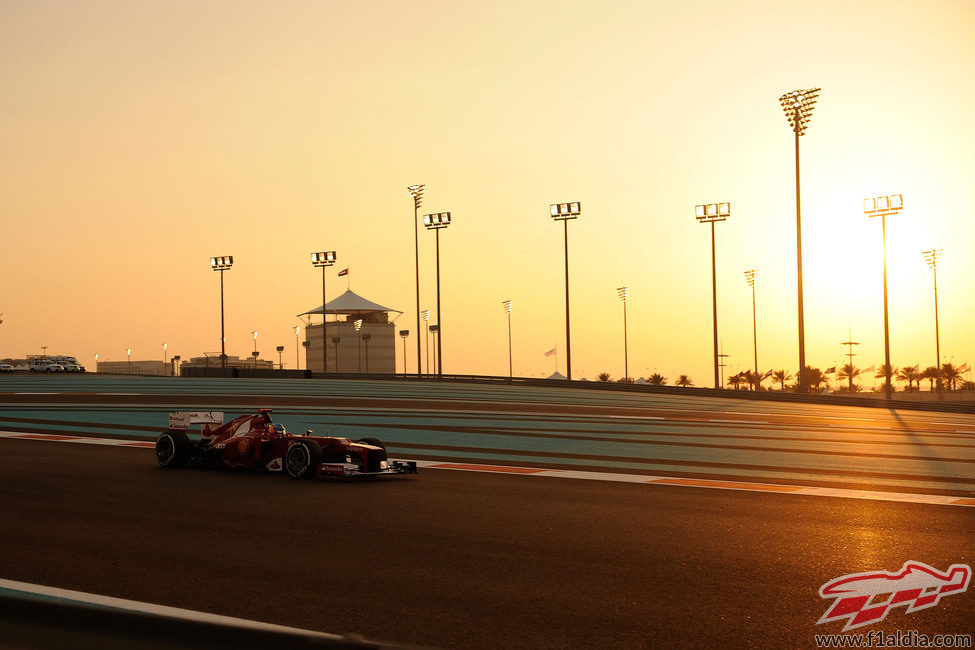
(335, 469)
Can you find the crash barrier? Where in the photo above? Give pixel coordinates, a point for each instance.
(42, 624)
(764, 395)
(253, 373)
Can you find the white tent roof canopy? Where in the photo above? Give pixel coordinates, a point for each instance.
(349, 303)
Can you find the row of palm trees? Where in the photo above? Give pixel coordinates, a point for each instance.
(816, 379)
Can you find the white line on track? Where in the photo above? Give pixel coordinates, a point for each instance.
(614, 477)
(739, 421)
(109, 602)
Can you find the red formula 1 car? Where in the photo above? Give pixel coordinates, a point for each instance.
(254, 442)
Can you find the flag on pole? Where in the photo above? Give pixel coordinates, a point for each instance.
(829, 371)
(870, 369)
(550, 352)
(343, 272)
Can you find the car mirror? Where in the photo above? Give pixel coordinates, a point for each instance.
(308, 432)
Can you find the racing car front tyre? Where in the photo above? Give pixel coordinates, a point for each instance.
(375, 442)
(301, 459)
(173, 448)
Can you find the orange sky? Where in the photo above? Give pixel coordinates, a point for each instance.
(137, 139)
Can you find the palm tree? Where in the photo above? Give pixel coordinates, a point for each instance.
(657, 379)
(684, 381)
(931, 374)
(814, 377)
(735, 380)
(848, 371)
(604, 376)
(910, 374)
(950, 375)
(781, 376)
(754, 381)
(882, 374)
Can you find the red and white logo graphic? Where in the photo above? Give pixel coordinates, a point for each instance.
(865, 598)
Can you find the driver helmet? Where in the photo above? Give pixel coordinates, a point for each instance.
(277, 429)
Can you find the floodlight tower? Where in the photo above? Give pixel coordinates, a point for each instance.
(297, 329)
(426, 320)
(883, 207)
(358, 326)
(323, 260)
(798, 106)
(931, 257)
(750, 279)
(222, 263)
(712, 213)
(623, 293)
(416, 191)
(403, 334)
(564, 212)
(437, 222)
(507, 309)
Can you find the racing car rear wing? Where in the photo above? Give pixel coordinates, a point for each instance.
(181, 420)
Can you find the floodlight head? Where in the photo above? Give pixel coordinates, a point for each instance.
(426, 315)
(404, 333)
(507, 305)
(437, 220)
(323, 259)
(623, 293)
(884, 205)
(221, 263)
(357, 324)
(565, 211)
(710, 212)
(435, 329)
(416, 191)
(750, 276)
(798, 108)
(932, 256)
(366, 336)
(254, 334)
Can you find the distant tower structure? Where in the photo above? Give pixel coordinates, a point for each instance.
(343, 357)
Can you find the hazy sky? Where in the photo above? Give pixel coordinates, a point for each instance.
(137, 139)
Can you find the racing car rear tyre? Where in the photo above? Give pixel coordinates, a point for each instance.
(375, 442)
(302, 458)
(173, 448)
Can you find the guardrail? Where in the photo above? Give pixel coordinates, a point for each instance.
(765, 395)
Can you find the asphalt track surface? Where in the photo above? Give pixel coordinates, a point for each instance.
(466, 559)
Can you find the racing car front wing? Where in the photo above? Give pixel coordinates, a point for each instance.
(349, 470)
